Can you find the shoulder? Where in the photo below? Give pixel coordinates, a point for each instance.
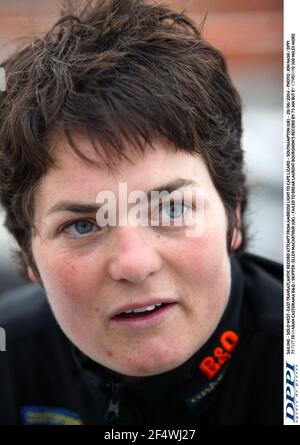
(25, 312)
(263, 294)
(34, 342)
(256, 371)
(37, 366)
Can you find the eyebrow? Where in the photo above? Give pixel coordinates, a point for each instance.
(78, 207)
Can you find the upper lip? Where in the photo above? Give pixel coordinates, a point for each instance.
(143, 303)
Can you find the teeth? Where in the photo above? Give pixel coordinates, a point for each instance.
(144, 309)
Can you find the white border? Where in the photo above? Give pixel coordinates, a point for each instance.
(292, 355)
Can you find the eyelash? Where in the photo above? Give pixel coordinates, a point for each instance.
(189, 206)
(72, 223)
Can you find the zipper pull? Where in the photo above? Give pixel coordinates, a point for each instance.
(112, 412)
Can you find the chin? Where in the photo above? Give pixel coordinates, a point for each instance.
(150, 366)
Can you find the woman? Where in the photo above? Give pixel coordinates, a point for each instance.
(150, 324)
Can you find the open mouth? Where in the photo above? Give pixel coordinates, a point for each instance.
(146, 316)
(143, 312)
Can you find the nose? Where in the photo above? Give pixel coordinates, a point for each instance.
(133, 257)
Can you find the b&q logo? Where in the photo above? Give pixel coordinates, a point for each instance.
(221, 354)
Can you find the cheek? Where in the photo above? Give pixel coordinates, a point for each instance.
(203, 258)
(204, 268)
(71, 285)
(67, 277)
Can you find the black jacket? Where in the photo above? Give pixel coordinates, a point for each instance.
(235, 378)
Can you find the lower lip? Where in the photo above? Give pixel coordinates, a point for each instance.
(145, 321)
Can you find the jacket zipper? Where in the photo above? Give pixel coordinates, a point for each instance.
(112, 412)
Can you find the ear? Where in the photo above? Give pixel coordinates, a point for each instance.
(237, 236)
(32, 275)
(31, 270)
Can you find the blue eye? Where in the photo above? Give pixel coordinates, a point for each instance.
(175, 209)
(80, 227)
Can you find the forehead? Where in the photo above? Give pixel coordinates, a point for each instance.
(73, 178)
(161, 154)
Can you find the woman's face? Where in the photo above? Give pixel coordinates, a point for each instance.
(91, 275)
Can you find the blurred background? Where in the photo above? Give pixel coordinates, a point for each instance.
(250, 34)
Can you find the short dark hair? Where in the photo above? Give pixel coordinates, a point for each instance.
(118, 71)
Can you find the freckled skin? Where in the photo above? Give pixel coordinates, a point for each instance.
(87, 279)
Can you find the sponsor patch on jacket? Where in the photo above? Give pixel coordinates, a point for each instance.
(214, 366)
(205, 390)
(44, 415)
